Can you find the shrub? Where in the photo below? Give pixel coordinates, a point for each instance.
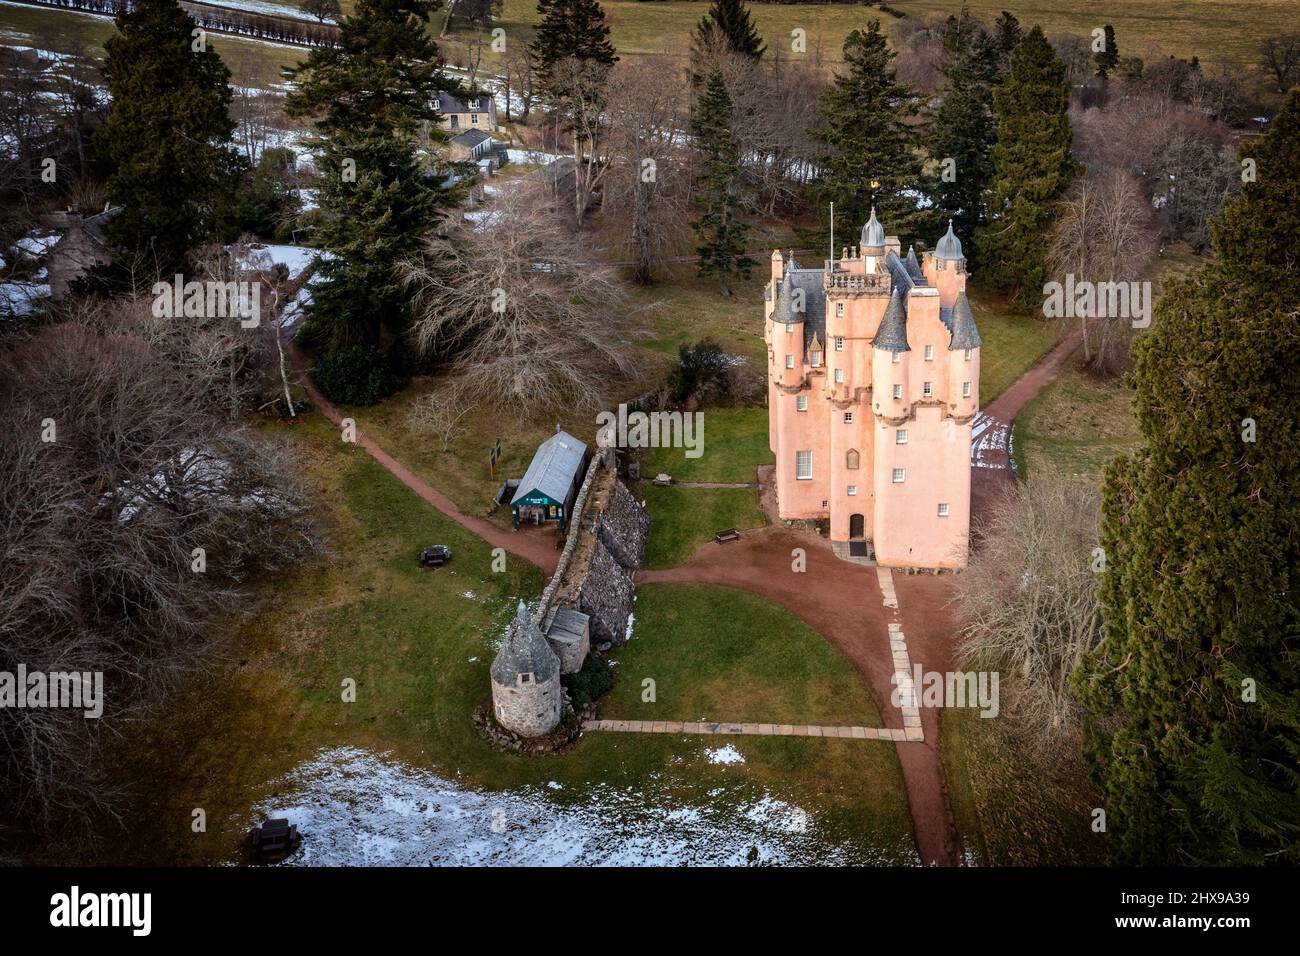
(701, 373)
(590, 683)
(356, 375)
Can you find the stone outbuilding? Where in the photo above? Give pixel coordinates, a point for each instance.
(527, 698)
(569, 634)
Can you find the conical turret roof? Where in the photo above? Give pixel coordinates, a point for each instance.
(524, 651)
(873, 233)
(949, 246)
(892, 334)
(964, 333)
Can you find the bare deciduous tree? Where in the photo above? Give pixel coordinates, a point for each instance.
(1028, 600)
(1104, 234)
(1280, 59)
(442, 411)
(522, 315)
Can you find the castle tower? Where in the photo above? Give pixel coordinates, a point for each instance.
(526, 693)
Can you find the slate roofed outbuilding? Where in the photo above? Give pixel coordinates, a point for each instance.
(553, 468)
(470, 138)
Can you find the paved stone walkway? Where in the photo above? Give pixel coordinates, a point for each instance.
(885, 578)
(756, 730)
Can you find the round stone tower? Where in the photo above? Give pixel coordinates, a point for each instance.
(526, 693)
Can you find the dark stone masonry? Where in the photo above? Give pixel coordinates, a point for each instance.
(625, 528)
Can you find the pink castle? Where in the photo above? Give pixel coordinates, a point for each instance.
(873, 382)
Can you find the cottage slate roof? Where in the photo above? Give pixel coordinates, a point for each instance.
(948, 246)
(470, 138)
(553, 468)
(524, 651)
(568, 625)
(892, 334)
(451, 104)
(964, 333)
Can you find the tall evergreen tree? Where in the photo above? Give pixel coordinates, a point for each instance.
(572, 29)
(721, 231)
(371, 96)
(865, 138)
(1107, 58)
(168, 136)
(729, 19)
(1032, 167)
(963, 127)
(1196, 686)
(1007, 32)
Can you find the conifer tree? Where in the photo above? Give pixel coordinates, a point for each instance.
(865, 138)
(371, 96)
(721, 232)
(729, 19)
(572, 29)
(1007, 32)
(1032, 167)
(1107, 58)
(1195, 689)
(963, 127)
(167, 134)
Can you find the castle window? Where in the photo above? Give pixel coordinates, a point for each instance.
(927, 389)
(815, 357)
(938, 264)
(803, 465)
(826, 504)
(525, 678)
(900, 437)
(929, 353)
(897, 357)
(968, 355)
(839, 308)
(801, 403)
(789, 328)
(853, 490)
(943, 509)
(965, 389)
(899, 476)
(839, 343)
(789, 361)
(848, 418)
(898, 391)
(839, 375)
(852, 459)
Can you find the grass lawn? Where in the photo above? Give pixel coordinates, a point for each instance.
(735, 444)
(419, 644)
(683, 308)
(717, 653)
(1013, 341)
(1075, 425)
(1010, 808)
(682, 519)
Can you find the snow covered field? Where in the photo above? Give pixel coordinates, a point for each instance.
(357, 808)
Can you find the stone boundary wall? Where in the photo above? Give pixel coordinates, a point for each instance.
(598, 461)
(624, 528)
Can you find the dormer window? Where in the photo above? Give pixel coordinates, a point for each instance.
(473, 105)
(815, 357)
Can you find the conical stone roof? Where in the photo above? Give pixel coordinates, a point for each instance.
(892, 334)
(524, 651)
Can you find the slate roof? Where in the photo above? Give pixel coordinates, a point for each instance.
(450, 104)
(470, 138)
(964, 333)
(913, 267)
(567, 625)
(814, 301)
(873, 233)
(892, 334)
(524, 651)
(948, 246)
(553, 468)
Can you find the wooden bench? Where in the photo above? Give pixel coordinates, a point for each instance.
(730, 534)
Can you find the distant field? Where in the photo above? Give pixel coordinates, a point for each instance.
(1212, 29)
